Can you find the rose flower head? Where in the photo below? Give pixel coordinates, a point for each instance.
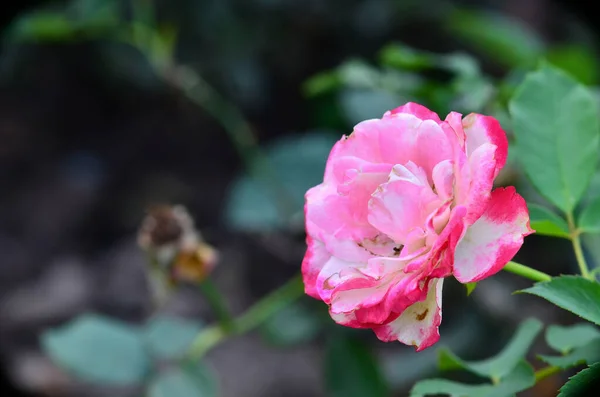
(406, 201)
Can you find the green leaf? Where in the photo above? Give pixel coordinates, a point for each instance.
(359, 74)
(297, 163)
(520, 378)
(41, 25)
(584, 383)
(76, 20)
(169, 337)
(195, 380)
(400, 56)
(98, 349)
(463, 65)
(573, 293)
(589, 219)
(292, 325)
(403, 57)
(470, 288)
(578, 60)
(448, 388)
(501, 38)
(565, 339)
(321, 83)
(557, 132)
(547, 223)
(351, 370)
(585, 354)
(504, 362)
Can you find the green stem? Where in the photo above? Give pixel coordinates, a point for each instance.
(583, 267)
(526, 272)
(272, 303)
(202, 94)
(253, 317)
(546, 372)
(576, 240)
(217, 303)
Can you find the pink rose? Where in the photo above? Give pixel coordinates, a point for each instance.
(407, 200)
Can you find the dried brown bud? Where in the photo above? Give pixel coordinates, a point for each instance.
(165, 225)
(193, 266)
(169, 235)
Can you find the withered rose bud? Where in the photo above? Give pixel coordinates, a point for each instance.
(169, 235)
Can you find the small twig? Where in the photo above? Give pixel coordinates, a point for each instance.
(253, 317)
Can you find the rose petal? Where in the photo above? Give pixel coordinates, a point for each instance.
(402, 204)
(369, 290)
(348, 320)
(336, 272)
(454, 120)
(343, 213)
(415, 109)
(370, 136)
(418, 325)
(494, 238)
(443, 179)
(337, 214)
(481, 129)
(433, 146)
(441, 257)
(480, 169)
(312, 264)
(396, 139)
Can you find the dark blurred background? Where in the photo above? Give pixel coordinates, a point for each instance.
(91, 134)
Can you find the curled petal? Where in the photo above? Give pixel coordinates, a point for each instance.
(433, 145)
(443, 179)
(454, 120)
(480, 171)
(438, 262)
(415, 109)
(315, 258)
(481, 129)
(402, 204)
(417, 325)
(437, 220)
(337, 272)
(348, 319)
(494, 238)
(368, 294)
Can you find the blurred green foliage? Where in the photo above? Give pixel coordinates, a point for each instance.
(142, 49)
(298, 162)
(193, 380)
(168, 337)
(102, 350)
(99, 349)
(351, 369)
(294, 325)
